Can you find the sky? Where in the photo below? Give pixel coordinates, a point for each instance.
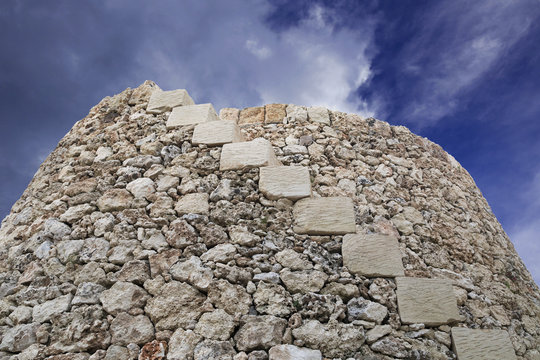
(465, 74)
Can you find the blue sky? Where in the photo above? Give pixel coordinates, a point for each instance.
(465, 74)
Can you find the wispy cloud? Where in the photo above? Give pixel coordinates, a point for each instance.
(459, 44)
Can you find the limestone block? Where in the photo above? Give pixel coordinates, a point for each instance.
(479, 344)
(229, 114)
(191, 115)
(428, 301)
(246, 155)
(318, 114)
(290, 182)
(324, 216)
(161, 101)
(373, 255)
(251, 115)
(274, 113)
(217, 133)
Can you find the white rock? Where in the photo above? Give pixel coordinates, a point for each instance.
(191, 115)
(289, 258)
(215, 325)
(220, 253)
(291, 352)
(378, 332)
(182, 344)
(195, 203)
(141, 188)
(102, 153)
(161, 101)
(296, 112)
(362, 309)
(126, 329)
(193, 272)
(303, 281)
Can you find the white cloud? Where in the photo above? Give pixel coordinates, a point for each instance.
(235, 59)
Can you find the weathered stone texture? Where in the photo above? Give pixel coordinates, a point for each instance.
(482, 344)
(251, 115)
(427, 301)
(290, 182)
(324, 216)
(191, 115)
(372, 255)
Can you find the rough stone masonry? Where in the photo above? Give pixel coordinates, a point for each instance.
(158, 229)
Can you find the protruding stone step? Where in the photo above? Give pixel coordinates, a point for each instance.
(217, 133)
(247, 155)
(428, 301)
(161, 101)
(191, 115)
(324, 216)
(292, 182)
(372, 255)
(481, 344)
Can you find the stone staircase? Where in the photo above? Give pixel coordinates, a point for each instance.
(420, 300)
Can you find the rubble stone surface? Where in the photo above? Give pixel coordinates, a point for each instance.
(136, 240)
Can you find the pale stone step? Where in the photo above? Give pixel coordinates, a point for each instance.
(292, 182)
(161, 101)
(216, 133)
(247, 155)
(428, 301)
(324, 216)
(319, 114)
(481, 344)
(372, 255)
(191, 115)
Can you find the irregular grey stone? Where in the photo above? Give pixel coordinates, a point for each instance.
(372, 255)
(19, 337)
(191, 115)
(45, 311)
(215, 325)
(141, 187)
(232, 298)
(193, 271)
(260, 332)
(272, 299)
(291, 352)
(74, 213)
(217, 133)
(427, 301)
(482, 344)
(162, 101)
(135, 271)
(182, 344)
(68, 250)
(303, 281)
(220, 253)
(122, 297)
(115, 352)
(362, 309)
(377, 332)
(324, 216)
(126, 329)
(94, 249)
(332, 339)
(87, 293)
(289, 258)
(55, 229)
(267, 277)
(175, 306)
(247, 155)
(392, 346)
(114, 200)
(292, 182)
(214, 350)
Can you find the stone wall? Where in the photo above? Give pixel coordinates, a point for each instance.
(162, 231)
